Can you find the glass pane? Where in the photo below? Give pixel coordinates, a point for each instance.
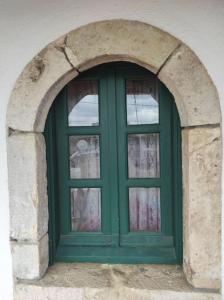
(143, 155)
(84, 156)
(142, 105)
(83, 103)
(86, 209)
(144, 209)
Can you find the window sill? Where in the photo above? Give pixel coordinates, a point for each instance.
(102, 281)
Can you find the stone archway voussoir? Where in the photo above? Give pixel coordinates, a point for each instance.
(195, 95)
(37, 87)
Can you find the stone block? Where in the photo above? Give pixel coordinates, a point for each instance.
(23, 292)
(195, 94)
(30, 260)
(37, 87)
(202, 213)
(27, 186)
(119, 40)
(101, 281)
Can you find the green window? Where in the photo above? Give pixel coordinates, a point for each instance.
(114, 169)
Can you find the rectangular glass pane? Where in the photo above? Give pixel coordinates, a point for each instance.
(144, 209)
(142, 105)
(83, 103)
(86, 209)
(84, 156)
(143, 155)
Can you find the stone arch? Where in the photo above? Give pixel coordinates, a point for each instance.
(198, 105)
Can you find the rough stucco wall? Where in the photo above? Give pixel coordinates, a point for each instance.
(27, 26)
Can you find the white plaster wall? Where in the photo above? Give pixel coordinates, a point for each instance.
(26, 26)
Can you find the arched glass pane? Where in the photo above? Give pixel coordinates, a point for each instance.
(142, 105)
(83, 103)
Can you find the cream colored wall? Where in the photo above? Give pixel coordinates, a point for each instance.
(27, 26)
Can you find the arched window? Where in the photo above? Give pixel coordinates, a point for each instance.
(114, 169)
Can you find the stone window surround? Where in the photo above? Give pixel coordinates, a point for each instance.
(198, 105)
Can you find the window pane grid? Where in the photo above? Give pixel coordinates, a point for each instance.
(82, 183)
(145, 182)
(142, 129)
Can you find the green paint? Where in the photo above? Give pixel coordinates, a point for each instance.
(115, 243)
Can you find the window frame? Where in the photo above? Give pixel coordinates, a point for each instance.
(162, 251)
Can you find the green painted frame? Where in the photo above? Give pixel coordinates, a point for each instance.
(115, 244)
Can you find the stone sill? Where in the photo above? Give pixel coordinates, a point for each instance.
(108, 282)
